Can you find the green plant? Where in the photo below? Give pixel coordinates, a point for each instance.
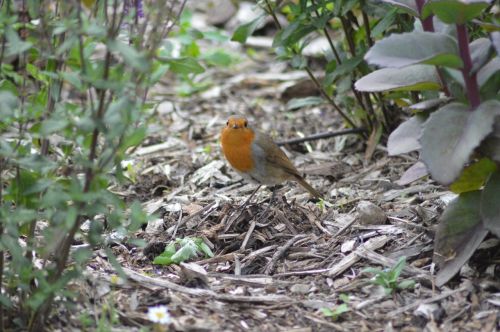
(349, 28)
(182, 250)
(108, 317)
(455, 81)
(73, 85)
(388, 278)
(337, 312)
(186, 44)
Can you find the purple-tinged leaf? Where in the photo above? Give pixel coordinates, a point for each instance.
(495, 40)
(411, 78)
(450, 136)
(418, 47)
(405, 137)
(428, 104)
(460, 232)
(480, 50)
(490, 69)
(415, 172)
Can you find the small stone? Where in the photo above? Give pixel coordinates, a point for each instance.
(154, 226)
(300, 288)
(427, 311)
(370, 214)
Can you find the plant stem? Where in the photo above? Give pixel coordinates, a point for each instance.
(428, 26)
(314, 79)
(366, 23)
(327, 97)
(339, 61)
(273, 14)
(470, 78)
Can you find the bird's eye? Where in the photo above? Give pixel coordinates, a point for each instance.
(227, 123)
(245, 124)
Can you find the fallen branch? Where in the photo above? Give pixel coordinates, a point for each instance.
(327, 134)
(163, 283)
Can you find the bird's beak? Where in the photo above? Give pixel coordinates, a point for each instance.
(235, 126)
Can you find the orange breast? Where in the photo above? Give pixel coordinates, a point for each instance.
(237, 148)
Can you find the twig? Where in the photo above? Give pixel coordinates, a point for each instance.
(281, 252)
(247, 236)
(415, 304)
(327, 134)
(349, 260)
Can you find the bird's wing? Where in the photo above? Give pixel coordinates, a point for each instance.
(274, 155)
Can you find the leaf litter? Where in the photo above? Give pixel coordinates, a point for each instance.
(280, 265)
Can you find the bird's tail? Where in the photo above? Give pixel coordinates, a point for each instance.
(307, 186)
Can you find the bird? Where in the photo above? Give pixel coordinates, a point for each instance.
(256, 157)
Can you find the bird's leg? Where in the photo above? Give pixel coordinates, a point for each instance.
(242, 206)
(274, 189)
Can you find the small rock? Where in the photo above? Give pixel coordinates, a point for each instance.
(155, 226)
(300, 288)
(370, 214)
(218, 12)
(347, 246)
(428, 311)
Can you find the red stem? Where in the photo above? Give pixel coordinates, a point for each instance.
(470, 78)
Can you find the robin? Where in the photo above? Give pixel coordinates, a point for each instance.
(256, 157)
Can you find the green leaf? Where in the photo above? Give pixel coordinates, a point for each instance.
(73, 78)
(295, 103)
(408, 6)
(473, 176)
(15, 44)
(204, 248)
(165, 258)
(53, 125)
(384, 24)
(292, 34)
(244, 31)
(450, 136)
(327, 312)
(456, 11)
(401, 50)
(8, 104)
(130, 55)
(405, 137)
(405, 284)
(184, 65)
(219, 58)
(411, 78)
(398, 268)
(135, 138)
(186, 251)
(490, 207)
(458, 235)
(346, 67)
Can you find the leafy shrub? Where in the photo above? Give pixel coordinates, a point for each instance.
(73, 85)
(349, 28)
(455, 127)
